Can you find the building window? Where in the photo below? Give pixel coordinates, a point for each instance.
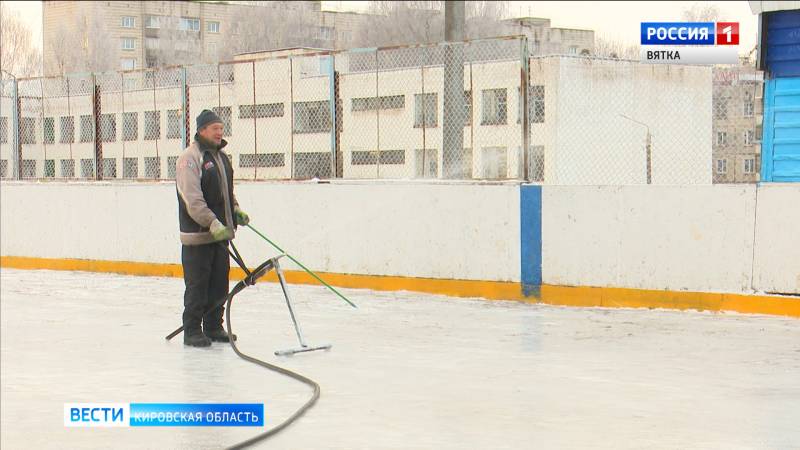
(312, 117)
(312, 165)
(4, 168)
(3, 130)
(364, 158)
(130, 126)
(49, 168)
(495, 162)
(152, 167)
(152, 22)
(87, 128)
(224, 113)
(152, 125)
(87, 168)
(49, 130)
(749, 107)
(536, 163)
(467, 108)
(261, 110)
(426, 110)
(426, 163)
(189, 24)
(151, 43)
(127, 63)
(248, 160)
(326, 33)
(68, 168)
(374, 103)
(27, 130)
(573, 50)
(28, 168)
(749, 165)
(748, 137)
(212, 27)
(172, 165)
(722, 166)
(174, 124)
(108, 127)
(109, 167)
(721, 108)
(130, 167)
(495, 108)
(128, 43)
(67, 130)
(722, 138)
(128, 22)
(535, 104)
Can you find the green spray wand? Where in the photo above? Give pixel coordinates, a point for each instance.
(303, 267)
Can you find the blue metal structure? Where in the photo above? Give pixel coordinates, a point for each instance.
(780, 42)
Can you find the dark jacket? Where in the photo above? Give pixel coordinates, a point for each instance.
(204, 181)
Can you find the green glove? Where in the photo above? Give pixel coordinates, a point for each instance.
(220, 232)
(241, 217)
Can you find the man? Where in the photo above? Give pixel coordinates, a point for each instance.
(208, 214)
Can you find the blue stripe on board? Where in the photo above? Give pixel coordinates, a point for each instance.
(530, 199)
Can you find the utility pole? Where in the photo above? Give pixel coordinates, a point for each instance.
(453, 164)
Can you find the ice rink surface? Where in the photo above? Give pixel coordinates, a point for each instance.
(407, 371)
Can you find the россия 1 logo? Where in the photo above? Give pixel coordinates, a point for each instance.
(690, 42)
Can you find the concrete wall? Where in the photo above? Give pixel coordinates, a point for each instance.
(777, 255)
(717, 238)
(448, 231)
(697, 238)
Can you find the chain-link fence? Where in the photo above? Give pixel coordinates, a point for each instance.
(461, 110)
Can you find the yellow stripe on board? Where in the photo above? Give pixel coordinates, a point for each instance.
(492, 290)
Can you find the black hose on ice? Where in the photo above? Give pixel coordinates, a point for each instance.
(250, 279)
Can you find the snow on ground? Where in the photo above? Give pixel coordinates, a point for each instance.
(407, 371)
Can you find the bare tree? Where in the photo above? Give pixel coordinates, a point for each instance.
(700, 12)
(611, 48)
(269, 27)
(83, 45)
(416, 22)
(485, 19)
(18, 54)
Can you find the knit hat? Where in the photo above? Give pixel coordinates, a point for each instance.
(207, 117)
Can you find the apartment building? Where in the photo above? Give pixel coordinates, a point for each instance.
(137, 34)
(737, 124)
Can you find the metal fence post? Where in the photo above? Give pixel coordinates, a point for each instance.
(523, 93)
(15, 127)
(185, 105)
(98, 141)
(332, 103)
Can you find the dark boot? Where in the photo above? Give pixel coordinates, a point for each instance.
(218, 335)
(195, 338)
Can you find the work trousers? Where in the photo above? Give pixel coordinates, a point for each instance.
(205, 274)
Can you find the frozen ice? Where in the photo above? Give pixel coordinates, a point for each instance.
(406, 371)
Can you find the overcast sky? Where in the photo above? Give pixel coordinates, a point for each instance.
(613, 20)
